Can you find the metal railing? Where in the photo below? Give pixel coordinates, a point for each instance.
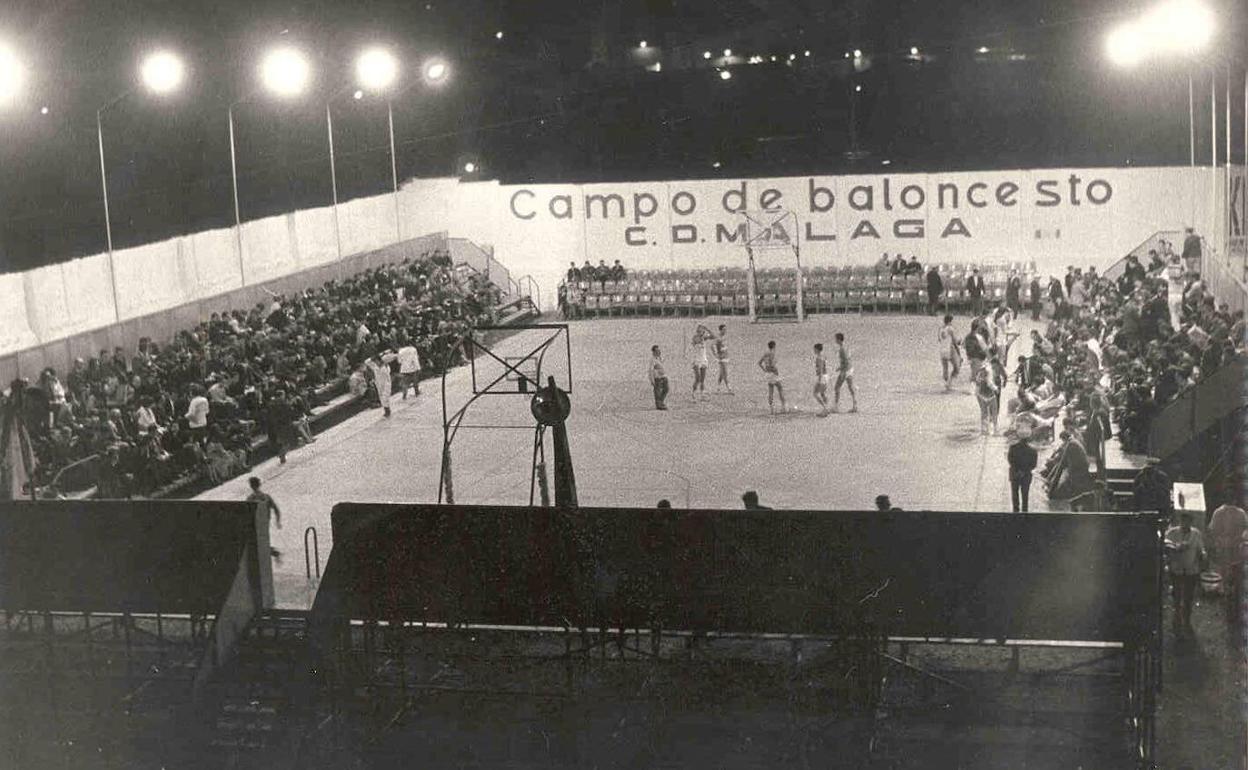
(1140, 252)
(527, 287)
(1198, 408)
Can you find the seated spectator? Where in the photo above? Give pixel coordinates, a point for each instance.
(913, 267)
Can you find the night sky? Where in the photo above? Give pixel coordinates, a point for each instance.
(564, 96)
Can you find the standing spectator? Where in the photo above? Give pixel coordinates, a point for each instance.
(269, 508)
(1022, 459)
(935, 288)
(914, 267)
(1036, 297)
(989, 398)
(589, 273)
(975, 289)
(1014, 293)
(1186, 548)
(602, 273)
(197, 414)
(750, 500)
(574, 274)
(409, 370)
(279, 420)
(1069, 280)
(618, 273)
(1191, 251)
(658, 378)
(379, 365)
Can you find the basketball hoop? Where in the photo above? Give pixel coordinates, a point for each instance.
(770, 238)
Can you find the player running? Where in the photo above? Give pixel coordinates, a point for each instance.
(721, 357)
(844, 375)
(821, 379)
(774, 386)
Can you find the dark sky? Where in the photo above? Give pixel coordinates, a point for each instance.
(563, 96)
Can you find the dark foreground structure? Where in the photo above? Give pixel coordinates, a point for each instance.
(137, 635)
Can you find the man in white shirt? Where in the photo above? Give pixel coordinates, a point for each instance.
(197, 415)
(1186, 549)
(409, 370)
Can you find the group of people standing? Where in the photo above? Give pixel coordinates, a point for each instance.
(706, 344)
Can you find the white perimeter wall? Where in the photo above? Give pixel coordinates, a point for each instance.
(536, 230)
(1025, 215)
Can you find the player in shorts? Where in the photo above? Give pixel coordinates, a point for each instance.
(721, 357)
(774, 386)
(844, 375)
(700, 360)
(950, 359)
(821, 380)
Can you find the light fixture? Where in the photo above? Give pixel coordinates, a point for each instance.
(773, 57)
(1124, 45)
(43, 110)
(857, 53)
(858, 89)
(285, 72)
(642, 44)
(886, 162)
(727, 52)
(914, 51)
(806, 53)
(847, 54)
(376, 70)
(498, 35)
(982, 49)
(12, 75)
(792, 56)
(706, 54)
(470, 167)
(436, 70)
(162, 72)
(716, 164)
(725, 75)
(1180, 26)
(358, 94)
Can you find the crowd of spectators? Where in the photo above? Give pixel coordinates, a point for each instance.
(193, 407)
(1112, 348)
(599, 274)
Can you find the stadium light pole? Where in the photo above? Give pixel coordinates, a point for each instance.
(376, 70)
(162, 73)
(284, 72)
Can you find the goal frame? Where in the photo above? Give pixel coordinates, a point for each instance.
(772, 230)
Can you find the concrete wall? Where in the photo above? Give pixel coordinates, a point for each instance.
(1054, 217)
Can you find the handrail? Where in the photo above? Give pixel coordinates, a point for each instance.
(316, 551)
(1197, 408)
(527, 282)
(1116, 269)
(54, 484)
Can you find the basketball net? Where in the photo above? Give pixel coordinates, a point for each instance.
(774, 261)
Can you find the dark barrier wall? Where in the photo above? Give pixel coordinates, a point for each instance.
(1088, 577)
(122, 556)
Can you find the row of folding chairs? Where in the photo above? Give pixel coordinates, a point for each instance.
(845, 299)
(833, 277)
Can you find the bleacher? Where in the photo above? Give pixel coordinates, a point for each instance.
(724, 291)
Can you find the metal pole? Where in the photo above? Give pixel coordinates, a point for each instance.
(1213, 149)
(1191, 120)
(108, 223)
(333, 178)
(394, 171)
(238, 221)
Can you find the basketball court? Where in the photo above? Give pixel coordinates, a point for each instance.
(921, 445)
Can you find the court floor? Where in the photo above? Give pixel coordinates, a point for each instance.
(910, 439)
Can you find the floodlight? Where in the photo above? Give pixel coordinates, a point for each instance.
(376, 69)
(914, 51)
(982, 49)
(12, 75)
(642, 44)
(1181, 26)
(498, 35)
(706, 54)
(285, 72)
(470, 167)
(857, 53)
(162, 72)
(858, 89)
(357, 95)
(806, 53)
(436, 70)
(725, 75)
(43, 110)
(727, 52)
(1125, 45)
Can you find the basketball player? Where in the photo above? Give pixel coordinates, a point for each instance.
(821, 380)
(700, 360)
(774, 386)
(721, 357)
(844, 376)
(947, 340)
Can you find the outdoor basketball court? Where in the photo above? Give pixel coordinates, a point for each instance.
(909, 440)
